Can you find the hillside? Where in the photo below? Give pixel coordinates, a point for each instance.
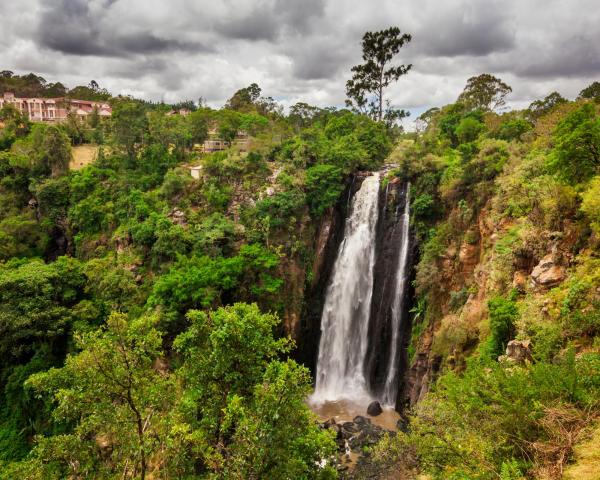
(129, 288)
(159, 324)
(505, 359)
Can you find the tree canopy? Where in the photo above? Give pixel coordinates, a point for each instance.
(486, 92)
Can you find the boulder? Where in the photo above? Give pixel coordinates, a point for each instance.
(548, 273)
(178, 217)
(374, 409)
(361, 421)
(518, 351)
(329, 423)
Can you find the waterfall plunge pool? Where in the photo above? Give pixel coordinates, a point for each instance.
(344, 410)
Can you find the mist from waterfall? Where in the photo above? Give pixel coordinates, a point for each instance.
(345, 319)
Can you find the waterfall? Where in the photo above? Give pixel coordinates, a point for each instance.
(345, 318)
(391, 383)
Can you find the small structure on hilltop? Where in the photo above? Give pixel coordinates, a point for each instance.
(214, 143)
(184, 112)
(55, 109)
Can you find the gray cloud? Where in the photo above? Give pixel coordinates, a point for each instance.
(472, 29)
(572, 56)
(268, 19)
(300, 50)
(73, 27)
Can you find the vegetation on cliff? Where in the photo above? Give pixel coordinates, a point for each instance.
(505, 209)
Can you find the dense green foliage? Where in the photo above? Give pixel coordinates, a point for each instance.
(131, 293)
(499, 201)
(140, 306)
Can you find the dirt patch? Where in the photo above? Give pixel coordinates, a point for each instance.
(83, 155)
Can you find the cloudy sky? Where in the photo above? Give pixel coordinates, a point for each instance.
(301, 50)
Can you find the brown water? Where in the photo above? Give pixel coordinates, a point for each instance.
(346, 410)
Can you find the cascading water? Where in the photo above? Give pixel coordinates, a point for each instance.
(363, 329)
(391, 383)
(345, 318)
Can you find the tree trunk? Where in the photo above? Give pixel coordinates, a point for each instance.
(381, 93)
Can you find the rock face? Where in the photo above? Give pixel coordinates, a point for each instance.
(520, 280)
(374, 409)
(392, 200)
(548, 273)
(178, 217)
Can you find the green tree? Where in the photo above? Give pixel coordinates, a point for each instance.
(116, 399)
(244, 99)
(229, 122)
(276, 435)
(55, 151)
(541, 107)
(35, 304)
(485, 92)
(170, 131)
(129, 124)
(503, 313)
(199, 121)
(513, 129)
(302, 114)
(576, 155)
(365, 90)
(201, 281)
(468, 129)
(253, 422)
(591, 92)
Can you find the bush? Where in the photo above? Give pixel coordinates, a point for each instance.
(281, 207)
(491, 419)
(590, 204)
(323, 187)
(502, 314)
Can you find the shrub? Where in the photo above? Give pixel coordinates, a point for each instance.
(323, 187)
(469, 129)
(502, 314)
(591, 204)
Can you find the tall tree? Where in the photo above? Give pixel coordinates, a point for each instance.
(244, 99)
(365, 90)
(129, 123)
(485, 92)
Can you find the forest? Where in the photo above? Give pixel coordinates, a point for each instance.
(150, 321)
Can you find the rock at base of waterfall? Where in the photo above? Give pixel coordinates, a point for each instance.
(374, 409)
